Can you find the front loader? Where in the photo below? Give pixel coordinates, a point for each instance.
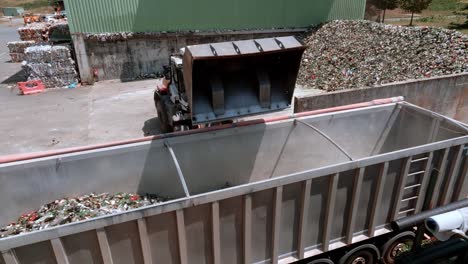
(215, 83)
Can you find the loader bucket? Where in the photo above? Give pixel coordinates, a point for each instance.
(229, 80)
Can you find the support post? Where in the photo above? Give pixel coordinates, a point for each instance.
(84, 68)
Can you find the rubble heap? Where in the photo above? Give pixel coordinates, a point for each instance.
(52, 65)
(355, 54)
(36, 32)
(69, 210)
(17, 48)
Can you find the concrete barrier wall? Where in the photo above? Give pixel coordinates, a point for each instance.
(447, 95)
(131, 56)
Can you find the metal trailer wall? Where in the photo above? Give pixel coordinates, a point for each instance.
(298, 187)
(108, 16)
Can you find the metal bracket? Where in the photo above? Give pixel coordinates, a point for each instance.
(236, 48)
(282, 148)
(327, 138)
(58, 162)
(213, 50)
(435, 127)
(179, 171)
(280, 44)
(259, 47)
(388, 126)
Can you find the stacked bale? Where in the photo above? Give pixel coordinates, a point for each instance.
(36, 32)
(52, 65)
(17, 48)
(60, 28)
(40, 31)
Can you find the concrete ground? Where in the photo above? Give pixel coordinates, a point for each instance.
(61, 118)
(107, 111)
(9, 72)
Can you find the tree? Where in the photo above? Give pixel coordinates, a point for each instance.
(372, 11)
(384, 5)
(463, 11)
(414, 6)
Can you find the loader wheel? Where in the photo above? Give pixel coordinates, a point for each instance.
(396, 246)
(464, 259)
(365, 254)
(162, 113)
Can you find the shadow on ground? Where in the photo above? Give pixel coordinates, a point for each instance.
(458, 26)
(463, 25)
(151, 127)
(17, 77)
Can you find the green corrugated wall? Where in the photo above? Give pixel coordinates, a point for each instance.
(99, 16)
(12, 11)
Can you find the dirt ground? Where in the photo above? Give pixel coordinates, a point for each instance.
(32, 6)
(434, 21)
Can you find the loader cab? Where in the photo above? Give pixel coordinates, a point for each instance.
(176, 73)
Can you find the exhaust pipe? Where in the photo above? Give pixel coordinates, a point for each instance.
(414, 220)
(444, 226)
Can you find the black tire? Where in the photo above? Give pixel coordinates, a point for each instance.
(365, 254)
(159, 103)
(464, 259)
(393, 248)
(321, 261)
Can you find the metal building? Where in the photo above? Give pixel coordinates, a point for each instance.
(90, 16)
(170, 25)
(12, 11)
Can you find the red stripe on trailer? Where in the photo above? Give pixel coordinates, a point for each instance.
(44, 154)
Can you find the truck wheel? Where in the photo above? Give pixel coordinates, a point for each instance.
(464, 259)
(365, 254)
(321, 261)
(162, 113)
(399, 244)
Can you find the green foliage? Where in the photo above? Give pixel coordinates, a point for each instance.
(385, 4)
(36, 4)
(463, 11)
(415, 6)
(444, 5)
(426, 19)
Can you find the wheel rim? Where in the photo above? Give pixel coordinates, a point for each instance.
(400, 248)
(364, 256)
(359, 260)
